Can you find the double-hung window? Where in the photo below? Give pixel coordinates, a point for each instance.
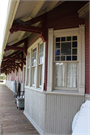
(34, 51)
(66, 66)
(41, 60)
(66, 60)
(35, 65)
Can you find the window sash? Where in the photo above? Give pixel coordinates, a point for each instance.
(58, 56)
(28, 76)
(64, 82)
(40, 75)
(33, 76)
(41, 50)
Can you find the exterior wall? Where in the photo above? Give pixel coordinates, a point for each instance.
(32, 39)
(17, 76)
(10, 82)
(87, 58)
(22, 78)
(87, 97)
(35, 108)
(51, 113)
(12, 76)
(65, 16)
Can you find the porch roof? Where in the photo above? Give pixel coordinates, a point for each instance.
(23, 11)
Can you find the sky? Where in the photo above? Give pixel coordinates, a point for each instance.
(3, 13)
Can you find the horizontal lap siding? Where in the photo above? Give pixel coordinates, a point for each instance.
(87, 57)
(65, 16)
(12, 76)
(22, 77)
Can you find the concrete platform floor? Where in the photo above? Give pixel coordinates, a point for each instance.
(12, 120)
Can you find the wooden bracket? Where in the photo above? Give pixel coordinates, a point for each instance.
(22, 59)
(19, 25)
(14, 48)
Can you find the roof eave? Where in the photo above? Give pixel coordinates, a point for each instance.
(12, 8)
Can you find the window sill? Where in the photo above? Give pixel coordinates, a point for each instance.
(56, 92)
(65, 92)
(33, 88)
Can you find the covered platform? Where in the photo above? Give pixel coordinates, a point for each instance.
(12, 120)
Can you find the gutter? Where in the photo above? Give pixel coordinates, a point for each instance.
(11, 12)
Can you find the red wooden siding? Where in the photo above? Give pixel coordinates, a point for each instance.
(12, 76)
(22, 77)
(33, 38)
(65, 15)
(17, 76)
(87, 58)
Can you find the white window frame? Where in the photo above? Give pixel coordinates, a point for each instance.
(35, 86)
(65, 88)
(34, 68)
(40, 74)
(28, 69)
(80, 33)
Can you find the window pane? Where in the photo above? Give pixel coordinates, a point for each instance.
(66, 75)
(41, 48)
(74, 57)
(60, 74)
(57, 45)
(74, 51)
(34, 50)
(33, 76)
(68, 58)
(41, 53)
(68, 38)
(62, 58)
(28, 63)
(34, 57)
(34, 62)
(28, 77)
(66, 48)
(58, 39)
(71, 74)
(62, 38)
(74, 44)
(40, 74)
(57, 58)
(74, 37)
(57, 52)
(41, 58)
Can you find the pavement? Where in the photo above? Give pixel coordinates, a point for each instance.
(12, 120)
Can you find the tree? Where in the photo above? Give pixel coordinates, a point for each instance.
(2, 76)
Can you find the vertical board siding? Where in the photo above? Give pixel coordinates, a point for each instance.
(51, 112)
(35, 106)
(60, 111)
